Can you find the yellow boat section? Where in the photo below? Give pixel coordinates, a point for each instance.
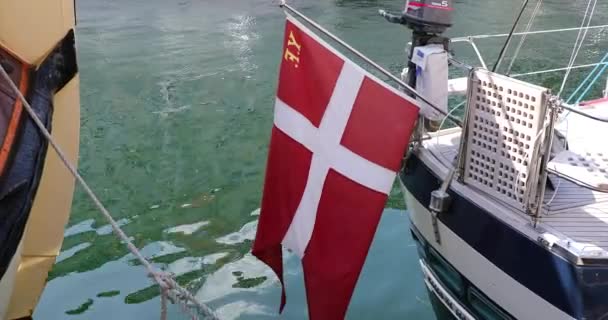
(31, 29)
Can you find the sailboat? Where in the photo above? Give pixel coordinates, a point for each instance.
(37, 53)
(508, 207)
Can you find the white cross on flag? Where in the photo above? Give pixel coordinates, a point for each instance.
(338, 139)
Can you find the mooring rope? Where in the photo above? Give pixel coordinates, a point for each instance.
(165, 280)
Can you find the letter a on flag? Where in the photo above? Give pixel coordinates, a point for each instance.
(337, 142)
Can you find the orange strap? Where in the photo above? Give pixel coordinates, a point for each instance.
(13, 124)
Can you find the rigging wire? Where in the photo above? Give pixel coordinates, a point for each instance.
(502, 35)
(580, 86)
(578, 45)
(523, 38)
(558, 69)
(504, 47)
(590, 85)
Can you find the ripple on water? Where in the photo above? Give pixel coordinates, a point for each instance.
(241, 37)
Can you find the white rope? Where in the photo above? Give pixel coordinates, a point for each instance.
(577, 45)
(528, 157)
(523, 38)
(450, 113)
(441, 126)
(163, 303)
(479, 56)
(184, 307)
(164, 280)
(559, 182)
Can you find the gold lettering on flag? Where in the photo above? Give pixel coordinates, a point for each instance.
(289, 55)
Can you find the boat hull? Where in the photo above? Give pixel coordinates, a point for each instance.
(507, 271)
(453, 299)
(30, 30)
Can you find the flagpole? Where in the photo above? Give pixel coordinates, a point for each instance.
(370, 62)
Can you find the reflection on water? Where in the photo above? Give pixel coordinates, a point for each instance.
(232, 279)
(187, 228)
(247, 232)
(176, 114)
(241, 287)
(72, 251)
(87, 225)
(234, 310)
(241, 31)
(72, 290)
(84, 226)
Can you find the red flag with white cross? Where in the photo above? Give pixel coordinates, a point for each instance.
(337, 142)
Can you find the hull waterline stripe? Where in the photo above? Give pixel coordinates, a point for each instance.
(549, 276)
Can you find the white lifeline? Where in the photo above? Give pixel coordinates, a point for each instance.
(324, 143)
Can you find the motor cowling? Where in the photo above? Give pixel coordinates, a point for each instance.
(430, 16)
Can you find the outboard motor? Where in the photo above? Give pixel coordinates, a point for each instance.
(427, 69)
(430, 16)
(424, 16)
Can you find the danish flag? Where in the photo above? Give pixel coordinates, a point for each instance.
(337, 142)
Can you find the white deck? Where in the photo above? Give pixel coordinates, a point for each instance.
(574, 214)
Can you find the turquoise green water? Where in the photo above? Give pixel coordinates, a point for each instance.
(176, 113)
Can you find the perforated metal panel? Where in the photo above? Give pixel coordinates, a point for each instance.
(504, 120)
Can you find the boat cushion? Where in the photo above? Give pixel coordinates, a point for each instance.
(588, 169)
